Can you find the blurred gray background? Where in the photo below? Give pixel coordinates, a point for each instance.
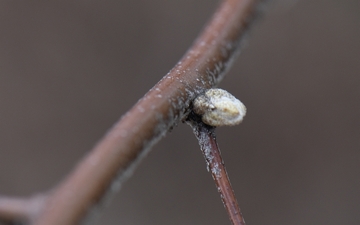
(70, 69)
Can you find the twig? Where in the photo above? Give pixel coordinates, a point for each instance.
(215, 164)
(166, 104)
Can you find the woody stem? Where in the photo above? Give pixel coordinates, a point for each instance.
(210, 149)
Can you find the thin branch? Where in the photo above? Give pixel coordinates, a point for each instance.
(165, 105)
(215, 164)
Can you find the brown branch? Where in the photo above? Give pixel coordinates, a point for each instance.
(165, 105)
(215, 164)
(21, 209)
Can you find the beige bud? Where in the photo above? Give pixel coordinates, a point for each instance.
(219, 108)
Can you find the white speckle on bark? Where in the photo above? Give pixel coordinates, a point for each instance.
(216, 171)
(141, 109)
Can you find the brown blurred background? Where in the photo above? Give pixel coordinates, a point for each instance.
(70, 69)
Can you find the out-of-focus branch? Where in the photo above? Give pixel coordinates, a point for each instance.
(165, 105)
(20, 209)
